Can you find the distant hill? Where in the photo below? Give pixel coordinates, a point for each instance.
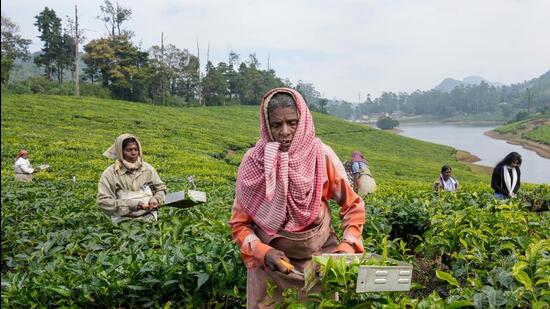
(24, 69)
(448, 84)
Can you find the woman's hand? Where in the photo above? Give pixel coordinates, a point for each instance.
(142, 206)
(344, 247)
(273, 259)
(153, 204)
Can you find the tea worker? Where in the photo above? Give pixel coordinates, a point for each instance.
(280, 213)
(22, 168)
(506, 178)
(130, 188)
(446, 182)
(363, 182)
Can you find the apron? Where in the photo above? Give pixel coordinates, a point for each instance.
(144, 195)
(23, 177)
(299, 247)
(366, 182)
(20, 175)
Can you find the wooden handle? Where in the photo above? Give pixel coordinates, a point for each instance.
(286, 264)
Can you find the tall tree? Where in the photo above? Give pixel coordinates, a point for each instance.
(113, 17)
(165, 62)
(214, 85)
(124, 69)
(49, 26)
(13, 46)
(310, 94)
(253, 83)
(232, 76)
(323, 103)
(188, 81)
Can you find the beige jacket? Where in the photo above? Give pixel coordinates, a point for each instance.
(120, 191)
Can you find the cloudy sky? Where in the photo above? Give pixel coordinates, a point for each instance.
(346, 48)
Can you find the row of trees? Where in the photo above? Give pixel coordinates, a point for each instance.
(529, 96)
(162, 74)
(166, 74)
(463, 99)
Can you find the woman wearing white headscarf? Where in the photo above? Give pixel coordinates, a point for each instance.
(130, 188)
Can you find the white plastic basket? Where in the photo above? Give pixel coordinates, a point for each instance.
(375, 278)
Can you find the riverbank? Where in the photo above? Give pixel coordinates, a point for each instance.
(473, 140)
(541, 149)
(470, 159)
(395, 130)
(483, 120)
(452, 122)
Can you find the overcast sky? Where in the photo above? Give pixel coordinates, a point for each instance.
(344, 47)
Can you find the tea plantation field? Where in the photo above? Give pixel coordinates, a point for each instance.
(58, 249)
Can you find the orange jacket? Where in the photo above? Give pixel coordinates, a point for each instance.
(337, 187)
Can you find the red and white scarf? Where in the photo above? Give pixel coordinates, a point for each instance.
(282, 190)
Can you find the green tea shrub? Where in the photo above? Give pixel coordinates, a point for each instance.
(408, 219)
(59, 250)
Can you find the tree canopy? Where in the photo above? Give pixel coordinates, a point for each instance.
(13, 46)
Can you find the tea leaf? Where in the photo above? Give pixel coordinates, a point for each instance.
(447, 277)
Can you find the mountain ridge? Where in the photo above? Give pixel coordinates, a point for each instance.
(448, 84)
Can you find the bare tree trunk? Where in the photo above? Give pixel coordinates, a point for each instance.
(162, 84)
(200, 77)
(208, 54)
(77, 55)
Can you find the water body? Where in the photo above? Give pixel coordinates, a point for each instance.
(534, 169)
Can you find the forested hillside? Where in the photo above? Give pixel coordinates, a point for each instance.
(499, 103)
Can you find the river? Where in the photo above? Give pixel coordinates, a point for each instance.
(534, 169)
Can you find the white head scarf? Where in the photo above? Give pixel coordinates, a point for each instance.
(115, 152)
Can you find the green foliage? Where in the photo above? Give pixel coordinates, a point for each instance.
(540, 134)
(13, 46)
(122, 66)
(252, 83)
(465, 101)
(521, 115)
(386, 123)
(495, 253)
(447, 277)
(40, 85)
(214, 86)
(58, 50)
(535, 127)
(58, 249)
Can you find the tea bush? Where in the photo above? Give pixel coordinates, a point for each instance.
(59, 250)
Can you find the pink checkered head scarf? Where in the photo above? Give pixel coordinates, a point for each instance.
(282, 190)
(357, 156)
